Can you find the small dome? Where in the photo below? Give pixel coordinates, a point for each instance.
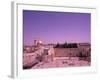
(40, 42)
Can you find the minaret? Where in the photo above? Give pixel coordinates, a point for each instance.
(35, 42)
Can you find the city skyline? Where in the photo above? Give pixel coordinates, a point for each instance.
(53, 27)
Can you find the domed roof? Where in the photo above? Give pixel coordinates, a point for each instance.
(40, 42)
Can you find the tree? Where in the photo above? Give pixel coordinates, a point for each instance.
(64, 45)
(72, 45)
(57, 46)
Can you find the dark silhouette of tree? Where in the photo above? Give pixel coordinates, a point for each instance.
(72, 45)
(65, 45)
(57, 45)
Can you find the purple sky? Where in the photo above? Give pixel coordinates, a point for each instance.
(53, 27)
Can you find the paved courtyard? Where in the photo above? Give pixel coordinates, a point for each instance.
(74, 62)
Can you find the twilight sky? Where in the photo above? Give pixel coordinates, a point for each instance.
(53, 27)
